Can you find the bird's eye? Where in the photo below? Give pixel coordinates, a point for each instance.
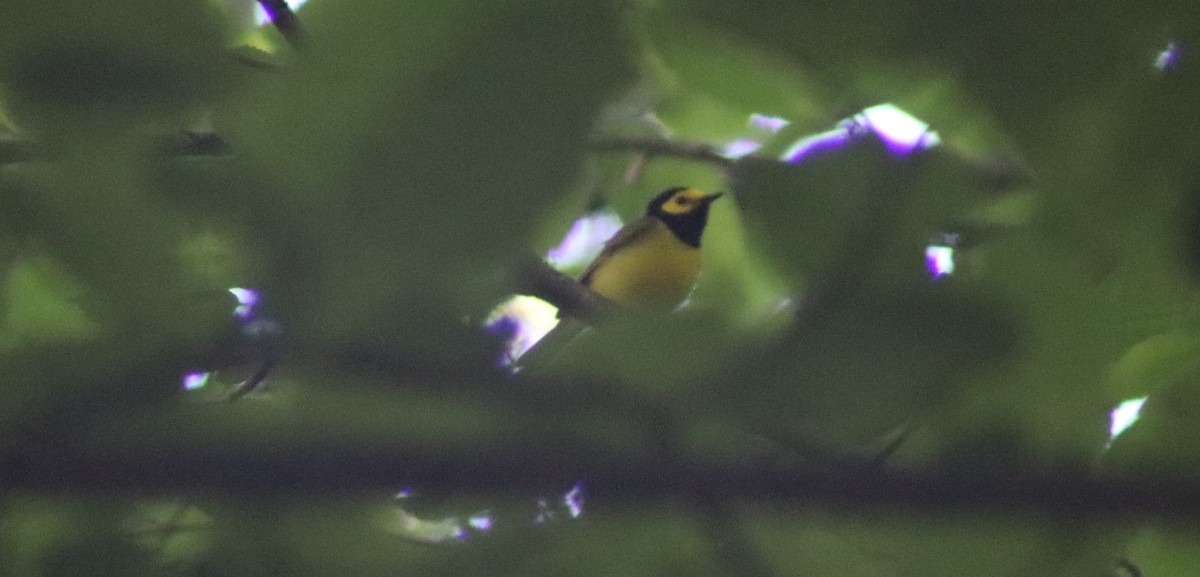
(680, 200)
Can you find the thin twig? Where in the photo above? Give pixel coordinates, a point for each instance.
(651, 147)
(14, 150)
(253, 382)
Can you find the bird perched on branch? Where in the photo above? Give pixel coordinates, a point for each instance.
(650, 264)
(654, 261)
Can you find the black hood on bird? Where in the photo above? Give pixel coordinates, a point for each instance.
(688, 226)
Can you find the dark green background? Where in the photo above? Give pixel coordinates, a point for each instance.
(385, 179)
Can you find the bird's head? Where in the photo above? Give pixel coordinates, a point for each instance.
(684, 211)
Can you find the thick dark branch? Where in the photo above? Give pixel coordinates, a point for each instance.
(285, 20)
(538, 279)
(330, 468)
(652, 147)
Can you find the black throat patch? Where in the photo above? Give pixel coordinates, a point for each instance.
(688, 227)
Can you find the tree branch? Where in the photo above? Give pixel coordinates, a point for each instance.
(321, 467)
(538, 279)
(655, 146)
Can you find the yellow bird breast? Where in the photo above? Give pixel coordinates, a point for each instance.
(655, 271)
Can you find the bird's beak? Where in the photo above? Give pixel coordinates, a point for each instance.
(708, 199)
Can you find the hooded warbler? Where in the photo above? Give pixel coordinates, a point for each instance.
(654, 261)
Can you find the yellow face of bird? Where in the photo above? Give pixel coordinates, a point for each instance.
(684, 201)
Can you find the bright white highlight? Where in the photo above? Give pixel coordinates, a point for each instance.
(247, 300)
(902, 132)
(481, 521)
(585, 239)
(260, 15)
(528, 318)
(573, 501)
(939, 260)
(770, 124)
(1168, 59)
(193, 381)
(817, 143)
(1124, 416)
(740, 147)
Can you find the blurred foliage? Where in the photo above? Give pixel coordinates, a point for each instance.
(387, 176)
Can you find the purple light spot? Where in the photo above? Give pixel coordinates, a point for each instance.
(939, 260)
(404, 493)
(901, 132)
(770, 124)
(247, 300)
(816, 144)
(585, 238)
(1168, 59)
(740, 147)
(522, 321)
(481, 521)
(193, 381)
(260, 14)
(573, 501)
(505, 327)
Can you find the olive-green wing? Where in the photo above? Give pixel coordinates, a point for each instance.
(628, 234)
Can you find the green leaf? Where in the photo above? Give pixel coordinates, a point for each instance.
(657, 355)
(692, 61)
(1158, 361)
(811, 540)
(867, 365)
(825, 216)
(42, 305)
(1165, 549)
(71, 66)
(1163, 442)
(409, 152)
